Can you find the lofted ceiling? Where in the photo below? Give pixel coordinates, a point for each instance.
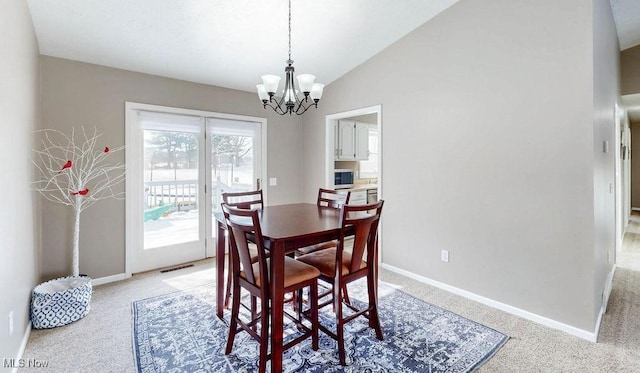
(231, 43)
(627, 16)
(227, 43)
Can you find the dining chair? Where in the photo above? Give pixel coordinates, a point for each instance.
(243, 200)
(244, 225)
(339, 268)
(327, 198)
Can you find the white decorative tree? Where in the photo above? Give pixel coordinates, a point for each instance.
(76, 174)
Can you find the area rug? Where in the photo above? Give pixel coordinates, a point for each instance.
(179, 332)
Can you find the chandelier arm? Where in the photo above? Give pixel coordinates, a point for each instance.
(277, 108)
(280, 108)
(301, 106)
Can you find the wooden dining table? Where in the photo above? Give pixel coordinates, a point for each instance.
(285, 228)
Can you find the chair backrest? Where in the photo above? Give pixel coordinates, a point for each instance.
(243, 224)
(364, 220)
(244, 200)
(333, 198)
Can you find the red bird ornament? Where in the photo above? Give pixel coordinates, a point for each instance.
(66, 165)
(106, 149)
(81, 192)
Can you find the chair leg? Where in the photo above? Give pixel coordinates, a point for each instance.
(346, 294)
(297, 302)
(337, 304)
(254, 310)
(294, 301)
(233, 324)
(229, 283)
(374, 320)
(313, 303)
(264, 334)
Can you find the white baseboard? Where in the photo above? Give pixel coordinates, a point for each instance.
(584, 334)
(635, 209)
(108, 279)
(23, 346)
(608, 287)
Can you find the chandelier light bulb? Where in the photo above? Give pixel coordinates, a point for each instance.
(316, 91)
(305, 82)
(289, 96)
(262, 92)
(271, 83)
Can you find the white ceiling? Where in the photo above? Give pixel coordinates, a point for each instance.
(227, 43)
(627, 16)
(231, 43)
(632, 106)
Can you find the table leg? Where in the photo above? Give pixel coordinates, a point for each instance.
(277, 305)
(220, 246)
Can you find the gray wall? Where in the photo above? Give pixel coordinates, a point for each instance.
(606, 92)
(76, 93)
(630, 70)
(19, 109)
(630, 84)
(487, 141)
(635, 165)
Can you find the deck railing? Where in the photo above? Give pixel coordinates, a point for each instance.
(183, 194)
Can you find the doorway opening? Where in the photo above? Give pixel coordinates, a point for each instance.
(354, 143)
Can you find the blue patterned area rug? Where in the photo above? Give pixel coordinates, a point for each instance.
(179, 332)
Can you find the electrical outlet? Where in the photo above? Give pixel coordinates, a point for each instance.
(444, 256)
(273, 181)
(10, 323)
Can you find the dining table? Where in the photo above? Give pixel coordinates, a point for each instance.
(285, 228)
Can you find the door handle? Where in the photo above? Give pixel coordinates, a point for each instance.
(258, 184)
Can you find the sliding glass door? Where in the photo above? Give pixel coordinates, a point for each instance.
(178, 165)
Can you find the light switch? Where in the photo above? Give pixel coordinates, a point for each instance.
(273, 181)
(605, 146)
(444, 256)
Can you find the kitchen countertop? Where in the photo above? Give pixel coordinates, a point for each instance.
(359, 187)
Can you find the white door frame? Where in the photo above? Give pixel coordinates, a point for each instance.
(619, 211)
(133, 154)
(330, 122)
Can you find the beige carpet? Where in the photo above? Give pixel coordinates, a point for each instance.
(101, 342)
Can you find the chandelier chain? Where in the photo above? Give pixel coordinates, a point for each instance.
(289, 30)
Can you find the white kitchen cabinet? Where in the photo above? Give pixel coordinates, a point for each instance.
(352, 141)
(361, 141)
(358, 197)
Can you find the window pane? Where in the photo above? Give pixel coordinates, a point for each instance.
(232, 167)
(369, 168)
(171, 188)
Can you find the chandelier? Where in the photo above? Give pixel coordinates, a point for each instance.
(290, 102)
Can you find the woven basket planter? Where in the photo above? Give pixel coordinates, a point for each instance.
(60, 302)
